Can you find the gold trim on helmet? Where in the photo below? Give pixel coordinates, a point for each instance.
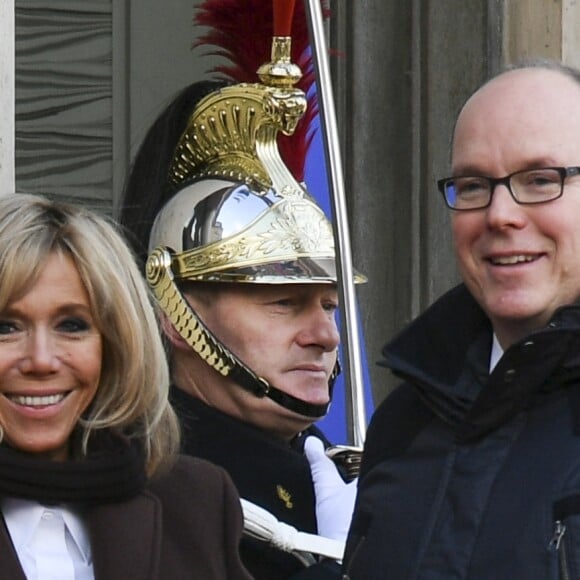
(230, 140)
(232, 134)
(288, 232)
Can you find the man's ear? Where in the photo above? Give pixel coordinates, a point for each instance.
(176, 340)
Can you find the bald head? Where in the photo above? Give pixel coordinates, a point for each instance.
(514, 110)
(519, 259)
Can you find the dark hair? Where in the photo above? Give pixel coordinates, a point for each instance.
(146, 189)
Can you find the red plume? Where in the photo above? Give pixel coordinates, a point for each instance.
(283, 14)
(240, 31)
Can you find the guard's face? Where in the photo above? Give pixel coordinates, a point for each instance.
(520, 262)
(286, 334)
(50, 361)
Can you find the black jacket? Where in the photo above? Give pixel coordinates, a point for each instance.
(266, 471)
(468, 475)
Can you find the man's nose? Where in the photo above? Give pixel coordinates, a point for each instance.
(320, 329)
(504, 210)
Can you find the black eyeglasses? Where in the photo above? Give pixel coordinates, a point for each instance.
(527, 187)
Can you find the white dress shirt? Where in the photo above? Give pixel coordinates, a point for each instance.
(52, 542)
(496, 353)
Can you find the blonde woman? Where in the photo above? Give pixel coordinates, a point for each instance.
(90, 482)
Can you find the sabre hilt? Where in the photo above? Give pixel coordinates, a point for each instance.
(347, 458)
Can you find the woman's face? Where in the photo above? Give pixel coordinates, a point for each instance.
(50, 361)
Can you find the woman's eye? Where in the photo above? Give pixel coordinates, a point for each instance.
(73, 325)
(7, 327)
(330, 306)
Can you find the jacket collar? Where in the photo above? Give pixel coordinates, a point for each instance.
(445, 354)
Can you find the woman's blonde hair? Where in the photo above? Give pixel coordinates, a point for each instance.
(132, 396)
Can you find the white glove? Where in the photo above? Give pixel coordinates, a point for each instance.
(334, 498)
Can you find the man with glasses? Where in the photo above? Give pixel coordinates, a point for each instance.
(471, 467)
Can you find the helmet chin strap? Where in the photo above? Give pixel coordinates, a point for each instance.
(260, 387)
(209, 348)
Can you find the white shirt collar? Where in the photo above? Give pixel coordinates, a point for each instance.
(78, 532)
(22, 518)
(496, 353)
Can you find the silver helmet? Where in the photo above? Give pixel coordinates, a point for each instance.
(238, 214)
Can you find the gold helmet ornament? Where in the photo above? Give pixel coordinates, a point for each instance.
(238, 214)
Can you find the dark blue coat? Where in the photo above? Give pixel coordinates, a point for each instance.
(468, 475)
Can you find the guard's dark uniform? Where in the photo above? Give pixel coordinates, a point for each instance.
(266, 471)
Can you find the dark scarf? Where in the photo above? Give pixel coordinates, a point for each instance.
(113, 470)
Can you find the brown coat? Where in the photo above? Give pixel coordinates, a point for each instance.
(184, 525)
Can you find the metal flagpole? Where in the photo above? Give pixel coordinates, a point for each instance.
(356, 414)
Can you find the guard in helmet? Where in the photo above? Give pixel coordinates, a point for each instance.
(241, 261)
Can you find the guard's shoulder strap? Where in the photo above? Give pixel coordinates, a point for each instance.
(261, 525)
